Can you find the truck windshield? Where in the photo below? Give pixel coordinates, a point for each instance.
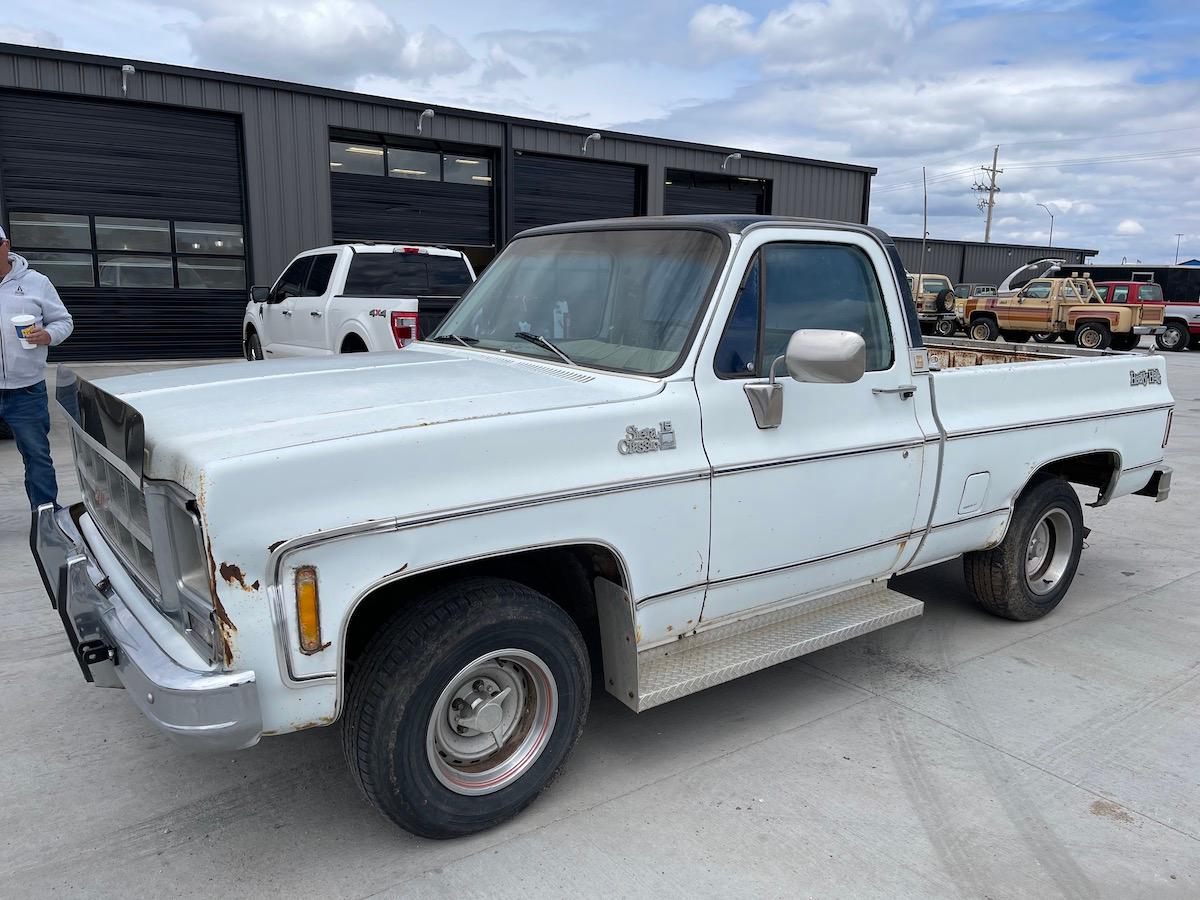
(623, 300)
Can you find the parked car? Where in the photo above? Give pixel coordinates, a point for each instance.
(1067, 306)
(1181, 321)
(965, 290)
(727, 447)
(354, 298)
(934, 298)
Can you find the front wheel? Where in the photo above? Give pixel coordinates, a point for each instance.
(465, 707)
(944, 328)
(984, 330)
(1030, 571)
(1175, 337)
(254, 350)
(1093, 336)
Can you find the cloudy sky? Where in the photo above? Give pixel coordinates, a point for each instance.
(1095, 103)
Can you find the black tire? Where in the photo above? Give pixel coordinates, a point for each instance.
(402, 677)
(1045, 337)
(1175, 337)
(1014, 337)
(945, 300)
(945, 327)
(983, 329)
(1126, 341)
(254, 350)
(1093, 336)
(998, 577)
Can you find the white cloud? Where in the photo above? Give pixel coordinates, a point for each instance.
(1130, 226)
(30, 37)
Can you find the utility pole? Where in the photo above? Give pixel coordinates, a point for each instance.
(1178, 238)
(1049, 243)
(990, 203)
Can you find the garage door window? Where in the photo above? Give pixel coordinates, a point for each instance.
(414, 164)
(467, 169)
(127, 252)
(357, 159)
(401, 162)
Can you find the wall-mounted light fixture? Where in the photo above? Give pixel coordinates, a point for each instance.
(126, 71)
(594, 136)
(426, 114)
(728, 158)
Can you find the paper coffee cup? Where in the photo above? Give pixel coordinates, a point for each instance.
(23, 323)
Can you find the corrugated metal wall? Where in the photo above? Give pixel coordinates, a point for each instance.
(285, 135)
(978, 262)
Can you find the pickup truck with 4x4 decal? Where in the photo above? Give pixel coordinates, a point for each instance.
(1066, 306)
(714, 464)
(1181, 320)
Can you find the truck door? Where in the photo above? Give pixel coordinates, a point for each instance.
(310, 309)
(279, 311)
(828, 498)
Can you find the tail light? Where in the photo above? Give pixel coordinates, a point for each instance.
(404, 328)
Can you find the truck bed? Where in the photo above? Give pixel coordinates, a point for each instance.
(958, 353)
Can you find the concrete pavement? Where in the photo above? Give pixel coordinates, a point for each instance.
(954, 755)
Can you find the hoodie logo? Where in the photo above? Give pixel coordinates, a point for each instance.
(20, 290)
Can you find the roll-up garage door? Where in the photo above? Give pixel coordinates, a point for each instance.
(691, 193)
(366, 208)
(135, 213)
(551, 189)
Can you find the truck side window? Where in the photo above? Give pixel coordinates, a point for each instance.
(1120, 294)
(1039, 290)
(291, 282)
(738, 350)
(318, 276)
(805, 286)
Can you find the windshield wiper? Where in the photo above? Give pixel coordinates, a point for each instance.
(544, 342)
(457, 338)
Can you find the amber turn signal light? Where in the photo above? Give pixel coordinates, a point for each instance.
(308, 611)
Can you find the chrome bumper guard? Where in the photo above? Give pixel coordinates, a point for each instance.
(1149, 329)
(1159, 485)
(199, 710)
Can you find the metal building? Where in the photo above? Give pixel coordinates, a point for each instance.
(975, 261)
(154, 196)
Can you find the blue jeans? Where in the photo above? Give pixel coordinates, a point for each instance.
(27, 414)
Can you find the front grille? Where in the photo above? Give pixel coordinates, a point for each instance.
(119, 510)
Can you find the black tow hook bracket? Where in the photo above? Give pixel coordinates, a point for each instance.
(92, 652)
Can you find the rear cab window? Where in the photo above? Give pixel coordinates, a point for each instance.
(1149, 293)
(406, 275)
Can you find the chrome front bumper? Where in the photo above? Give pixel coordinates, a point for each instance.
(199, 709)
(1149, 329)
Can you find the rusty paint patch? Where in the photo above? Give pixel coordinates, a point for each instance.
(234, 575)
(225, 628)
(1112, 811)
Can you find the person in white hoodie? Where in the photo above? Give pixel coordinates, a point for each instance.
(24, 407)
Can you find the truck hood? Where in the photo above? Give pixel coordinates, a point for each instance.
(196, 416)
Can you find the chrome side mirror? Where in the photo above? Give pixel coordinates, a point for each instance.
(814, 356)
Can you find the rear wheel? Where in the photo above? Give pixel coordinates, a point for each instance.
(1045, 337)
(1175, 337)
(944, 327)
(465, 707)
(1125, 341)
(1014, 337)
(1093, 336)
(984, 330)
(1030, 571)
(353, 344)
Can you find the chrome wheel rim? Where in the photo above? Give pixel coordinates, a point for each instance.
(1170, 338)
(944, 328)
(1048, 552)
(980, 332)
(491, 722)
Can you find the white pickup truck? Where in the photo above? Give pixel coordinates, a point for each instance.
(353, 298)
(733, 442)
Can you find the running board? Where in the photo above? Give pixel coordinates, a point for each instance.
(710, 658)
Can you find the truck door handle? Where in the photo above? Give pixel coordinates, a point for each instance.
(905, 391)
(285, 312)
(316, 313)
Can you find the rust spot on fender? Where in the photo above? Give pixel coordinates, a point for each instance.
(225, 628)
(234, 575)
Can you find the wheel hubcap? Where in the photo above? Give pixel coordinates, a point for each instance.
(1049, 551)
(1170, 337)
(1091, 339)
(980, 332)
(491, 722)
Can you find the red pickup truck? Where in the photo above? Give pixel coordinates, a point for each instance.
(1182, 320)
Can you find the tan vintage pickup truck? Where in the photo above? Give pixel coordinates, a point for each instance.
(1069, 307)
(934, 298)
